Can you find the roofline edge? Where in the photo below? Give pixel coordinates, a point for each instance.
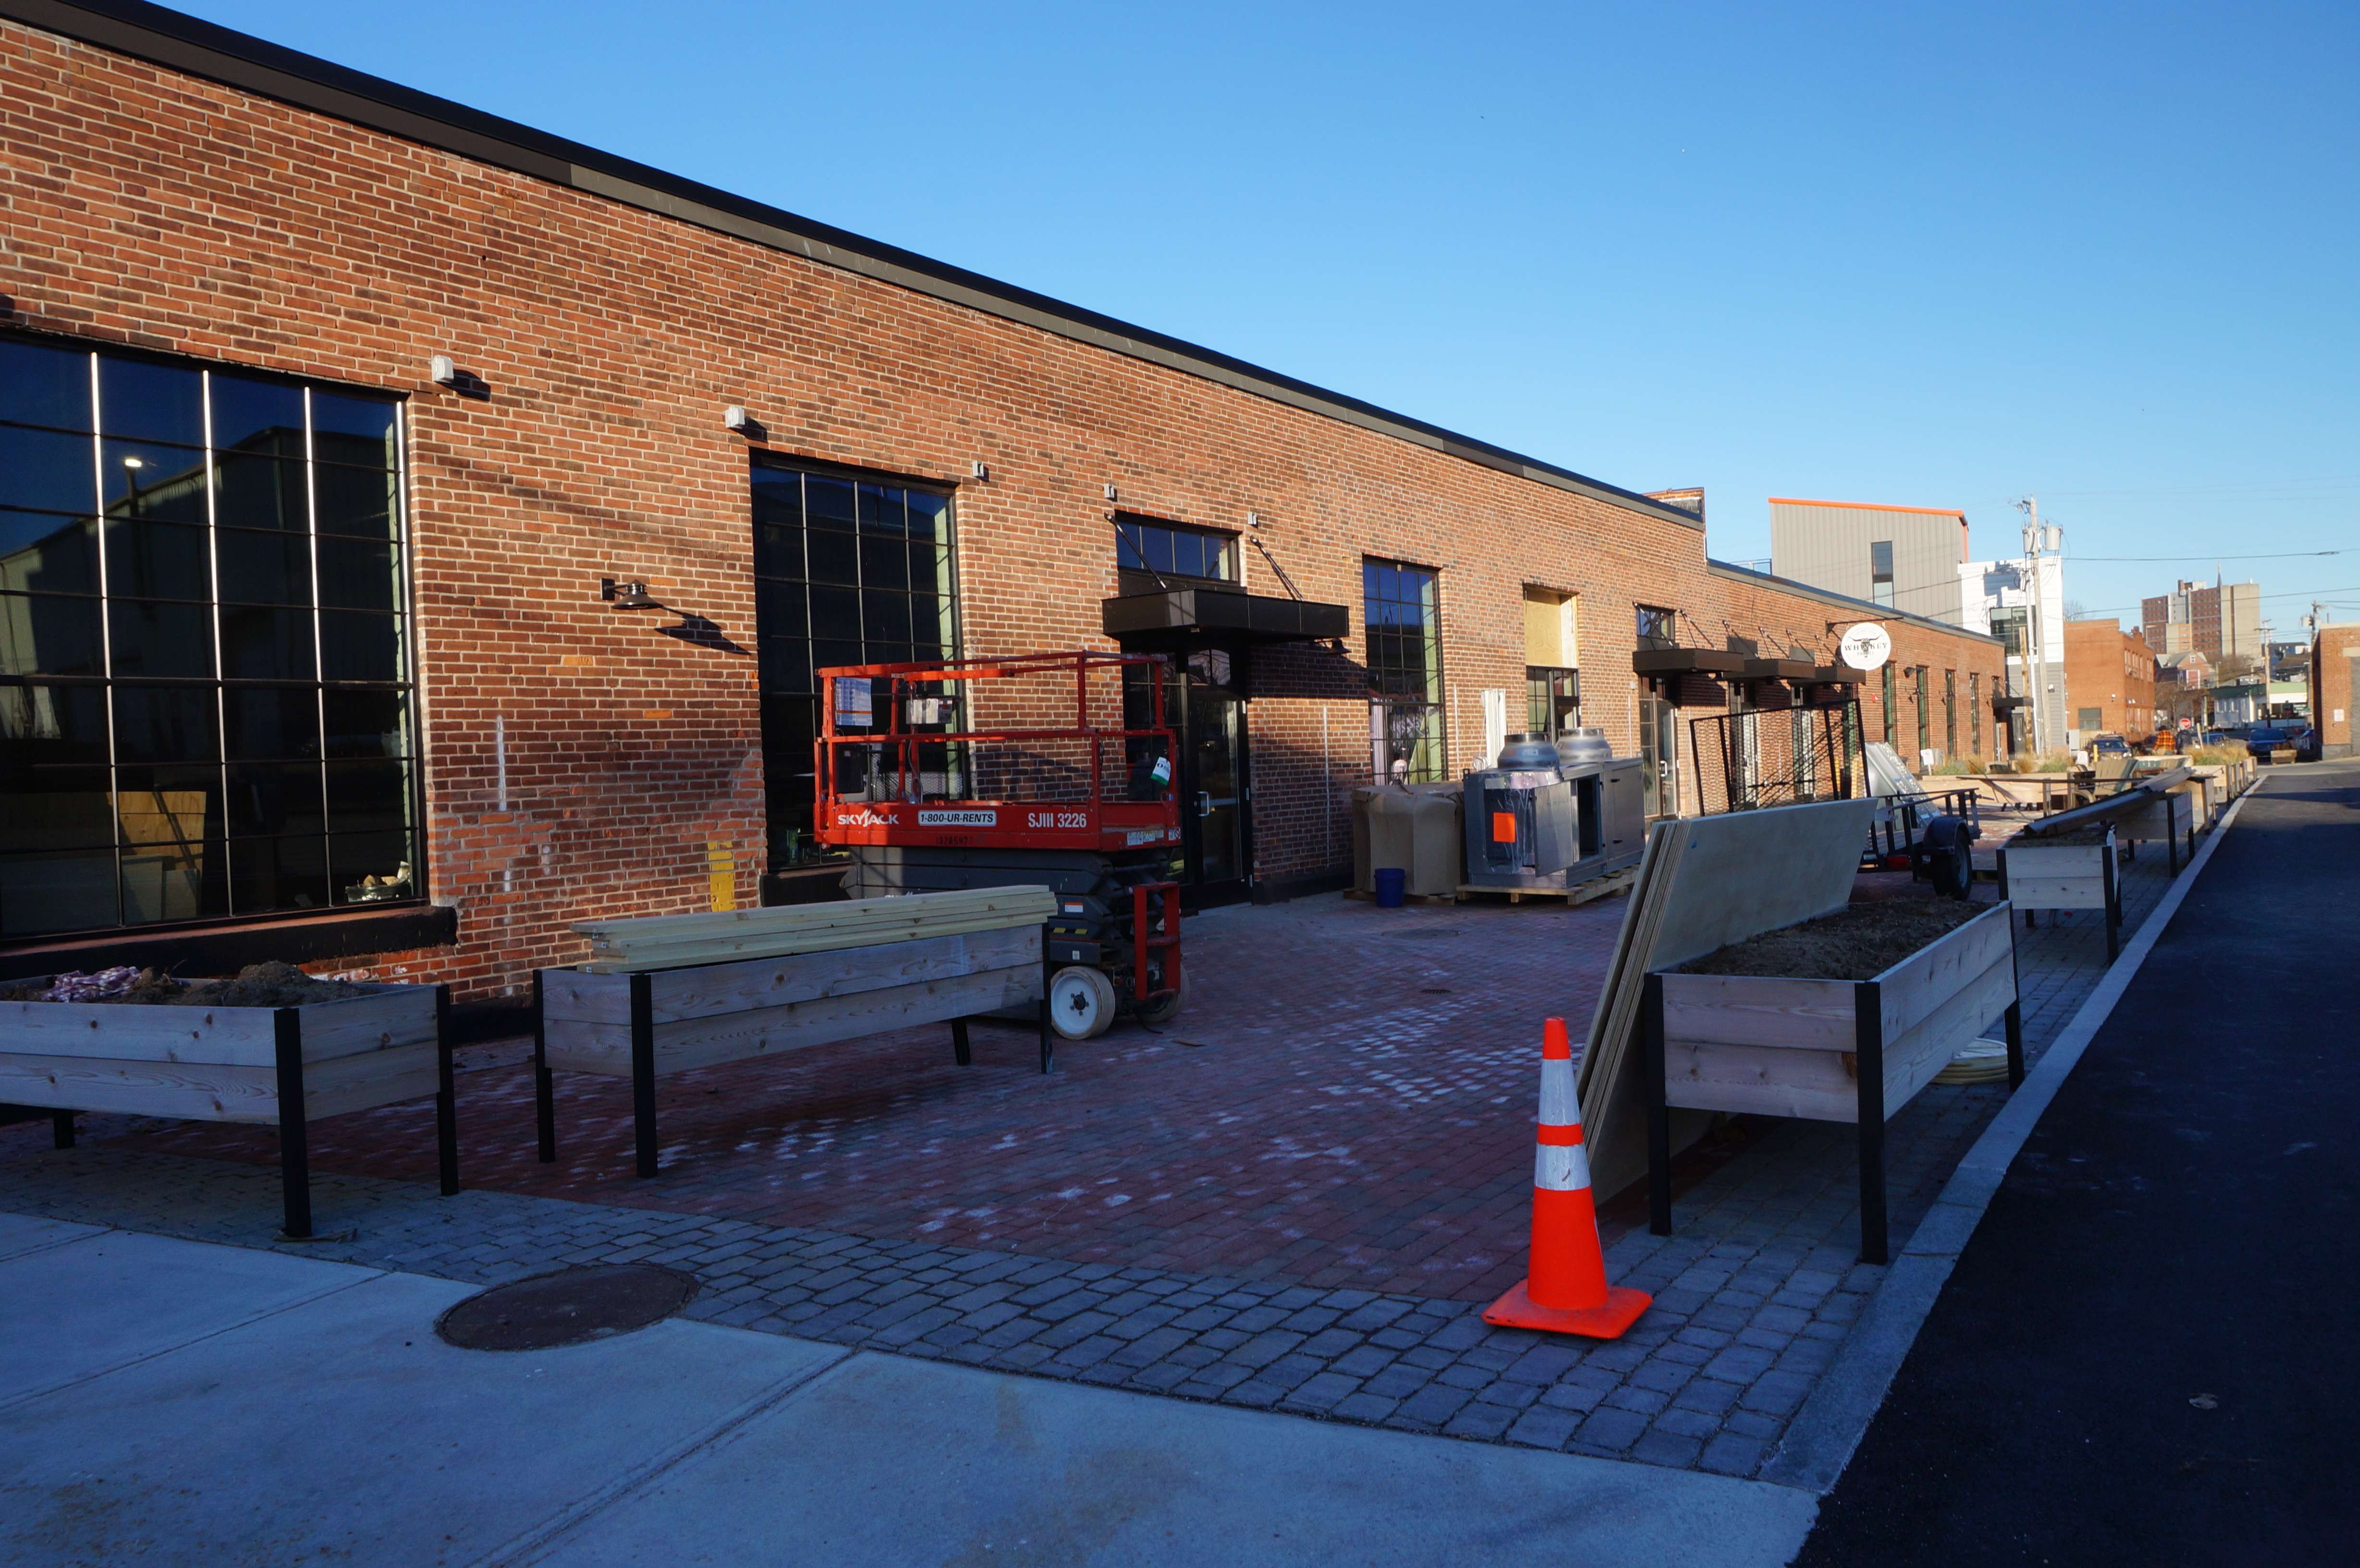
(240, 60)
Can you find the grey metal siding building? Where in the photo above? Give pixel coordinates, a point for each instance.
(1907, 558)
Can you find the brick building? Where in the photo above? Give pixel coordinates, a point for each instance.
(341, 422)
(2111, 674)
(2335, 689)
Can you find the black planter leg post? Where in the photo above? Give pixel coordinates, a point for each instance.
(446, 1096)
(959, 1052)
(294, 1149)
(2113, 903)
(2014, 1046)
(544, 1097)
(62, 1129)
(1868, 1035)
(643, 1069)
(1048, 1040)
(2171, 836)
(1659, 1112)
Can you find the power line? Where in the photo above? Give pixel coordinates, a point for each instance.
(2282, 555)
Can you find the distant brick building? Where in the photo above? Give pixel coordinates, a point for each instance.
(339, 421)
(2335, 689)
(2224, 621)
(2111, 674)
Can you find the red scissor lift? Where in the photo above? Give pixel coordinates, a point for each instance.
(1069, 786)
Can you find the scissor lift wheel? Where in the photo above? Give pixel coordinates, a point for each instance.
(1168, 1006)
(1081, 1002)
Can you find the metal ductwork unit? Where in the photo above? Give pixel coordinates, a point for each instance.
(1549, 815)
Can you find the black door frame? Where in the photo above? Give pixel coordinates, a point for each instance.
(1197, 893)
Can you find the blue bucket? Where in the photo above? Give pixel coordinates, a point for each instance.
(1391, 884)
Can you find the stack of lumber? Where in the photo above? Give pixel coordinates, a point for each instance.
(674, 942)
(1704, 883)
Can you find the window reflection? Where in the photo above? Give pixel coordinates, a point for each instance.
(238, 538)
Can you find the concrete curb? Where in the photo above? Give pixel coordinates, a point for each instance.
(1825, 1432)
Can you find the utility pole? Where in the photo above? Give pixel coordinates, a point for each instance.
(2035, 539)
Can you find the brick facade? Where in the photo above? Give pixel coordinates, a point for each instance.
(2335, 689)
(160, 210)
(2111, 671)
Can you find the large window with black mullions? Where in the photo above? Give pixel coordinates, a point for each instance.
(205, 705)
(1401, 613)
(846, 570)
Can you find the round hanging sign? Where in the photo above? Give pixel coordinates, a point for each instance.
(1867, 647)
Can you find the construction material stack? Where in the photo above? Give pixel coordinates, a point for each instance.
(679, 941)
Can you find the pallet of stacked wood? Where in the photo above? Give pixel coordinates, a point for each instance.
(670, 993)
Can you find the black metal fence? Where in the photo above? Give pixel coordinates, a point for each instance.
(1781, 757)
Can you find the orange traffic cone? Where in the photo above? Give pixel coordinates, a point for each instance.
(1565, 1290)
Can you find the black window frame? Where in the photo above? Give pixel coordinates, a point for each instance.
(321, 821)
(1133, 554)
(1547, 686)
(831, 565)
(1656, 627)
(1407, 727)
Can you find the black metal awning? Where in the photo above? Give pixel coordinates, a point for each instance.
(1218, 618)
(1686, 661)
(1779, 670)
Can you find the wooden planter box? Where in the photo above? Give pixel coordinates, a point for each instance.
(287, 1066)
(2169, 817)
(1835, 1050)
(670, 1020)
(2035, 877)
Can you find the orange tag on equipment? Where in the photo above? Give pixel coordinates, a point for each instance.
(1503, 827)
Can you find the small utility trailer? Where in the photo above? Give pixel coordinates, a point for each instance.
(1041, 768)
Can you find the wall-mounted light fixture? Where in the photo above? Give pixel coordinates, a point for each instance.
(443, 370)
(627, 595)
(980, 470)
(1253, 519)
(734, 418)
(1110, 493)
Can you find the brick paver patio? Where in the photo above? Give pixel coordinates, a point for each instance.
(1298, 1196)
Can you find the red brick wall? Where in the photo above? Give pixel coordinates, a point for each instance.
(2335, 691)
(2113, 671)
(149, 208)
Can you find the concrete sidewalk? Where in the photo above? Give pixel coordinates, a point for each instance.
(171, 1401)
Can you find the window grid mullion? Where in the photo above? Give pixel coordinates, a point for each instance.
(319, 668)
(105, 636)
(221, 699)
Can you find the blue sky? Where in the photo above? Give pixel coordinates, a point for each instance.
(1929, 255)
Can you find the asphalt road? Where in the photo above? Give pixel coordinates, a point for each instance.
(2147, 1353)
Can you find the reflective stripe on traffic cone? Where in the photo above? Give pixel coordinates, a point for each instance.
(1565, 1289)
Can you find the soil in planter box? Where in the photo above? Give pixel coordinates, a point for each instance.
(2077, 837)
(1859, 943)
(270, 985)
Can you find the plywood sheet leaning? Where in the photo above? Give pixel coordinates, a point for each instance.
(1706, 882)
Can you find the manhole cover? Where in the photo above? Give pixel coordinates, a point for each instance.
(568, 1307)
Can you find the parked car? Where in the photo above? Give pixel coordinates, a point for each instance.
(2216, 737)
(2262, 741)
(2109, 745)
(2306, 745)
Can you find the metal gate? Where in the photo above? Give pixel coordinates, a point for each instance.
(1779, 757)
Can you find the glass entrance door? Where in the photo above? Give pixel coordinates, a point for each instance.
(1213, 802)
(1659, 750)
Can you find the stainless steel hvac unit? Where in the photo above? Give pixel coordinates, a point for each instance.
(1549, 816)
(1610, 803)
